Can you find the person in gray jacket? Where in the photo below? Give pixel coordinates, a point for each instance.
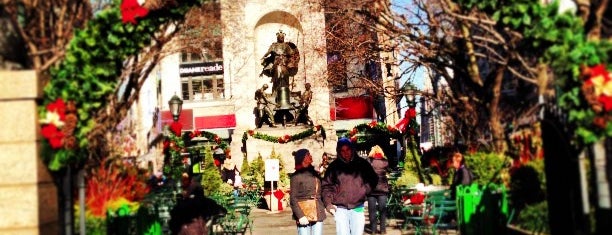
(346, 183)
(377, 198)
(305, 185)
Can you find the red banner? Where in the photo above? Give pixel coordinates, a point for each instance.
(354, 108)
(218, 121)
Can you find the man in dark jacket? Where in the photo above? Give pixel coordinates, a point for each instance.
(347, 181)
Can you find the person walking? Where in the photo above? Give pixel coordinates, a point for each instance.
(346, 183)
(306, 203)
(463, 175)
(377, 198)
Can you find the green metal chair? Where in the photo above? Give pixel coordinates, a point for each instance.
(444, 211)
(416, 215)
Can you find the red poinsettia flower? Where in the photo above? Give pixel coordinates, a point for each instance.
(130, 10)
(599, 70)
(251, 132)
(373, 124)
(599, 79)
(606, 101)
(176, 128)
(353, 131)
(59, 107)
(53, 135)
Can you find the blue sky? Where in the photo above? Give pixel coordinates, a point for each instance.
(419, 74)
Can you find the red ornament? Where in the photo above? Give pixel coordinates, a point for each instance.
(251, 132)
(354, 139)
(373, 124)
(130, 10)
(53, 135)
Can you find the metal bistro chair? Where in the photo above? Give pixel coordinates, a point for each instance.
(416, 215)
(444, 210)
(396, 200)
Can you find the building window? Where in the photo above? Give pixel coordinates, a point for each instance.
(190, 57)
(198, 88)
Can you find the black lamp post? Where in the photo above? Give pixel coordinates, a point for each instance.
(175, 104)
(409, 93)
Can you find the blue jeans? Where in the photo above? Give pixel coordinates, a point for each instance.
(377, 204)
(311, 229)
(349, 221)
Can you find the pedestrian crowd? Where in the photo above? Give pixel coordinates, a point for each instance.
(339, 187)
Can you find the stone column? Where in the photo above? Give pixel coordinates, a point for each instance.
(28, 196)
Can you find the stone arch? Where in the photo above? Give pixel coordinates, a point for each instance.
(280, 17)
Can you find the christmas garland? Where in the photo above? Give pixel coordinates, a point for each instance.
(211, 136)
(79, 87)
(380, 128)
(175, 144)
(285, 138)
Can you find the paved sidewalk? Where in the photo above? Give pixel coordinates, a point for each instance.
(266, 222)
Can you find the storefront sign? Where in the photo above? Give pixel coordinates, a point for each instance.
(199, 69)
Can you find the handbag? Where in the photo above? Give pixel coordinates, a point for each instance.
(309, 207)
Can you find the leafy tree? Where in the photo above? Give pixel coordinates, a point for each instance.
(489, 62)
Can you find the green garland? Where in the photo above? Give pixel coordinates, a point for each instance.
(91, 67)
(379, 128)
(283, 139)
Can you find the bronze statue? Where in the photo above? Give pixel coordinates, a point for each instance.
(262, 111)
(305, 99)
(280, 62)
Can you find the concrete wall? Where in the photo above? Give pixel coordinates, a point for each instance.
(28, 197)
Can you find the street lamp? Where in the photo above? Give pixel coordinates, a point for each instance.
(410, 93)
(176, 104)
